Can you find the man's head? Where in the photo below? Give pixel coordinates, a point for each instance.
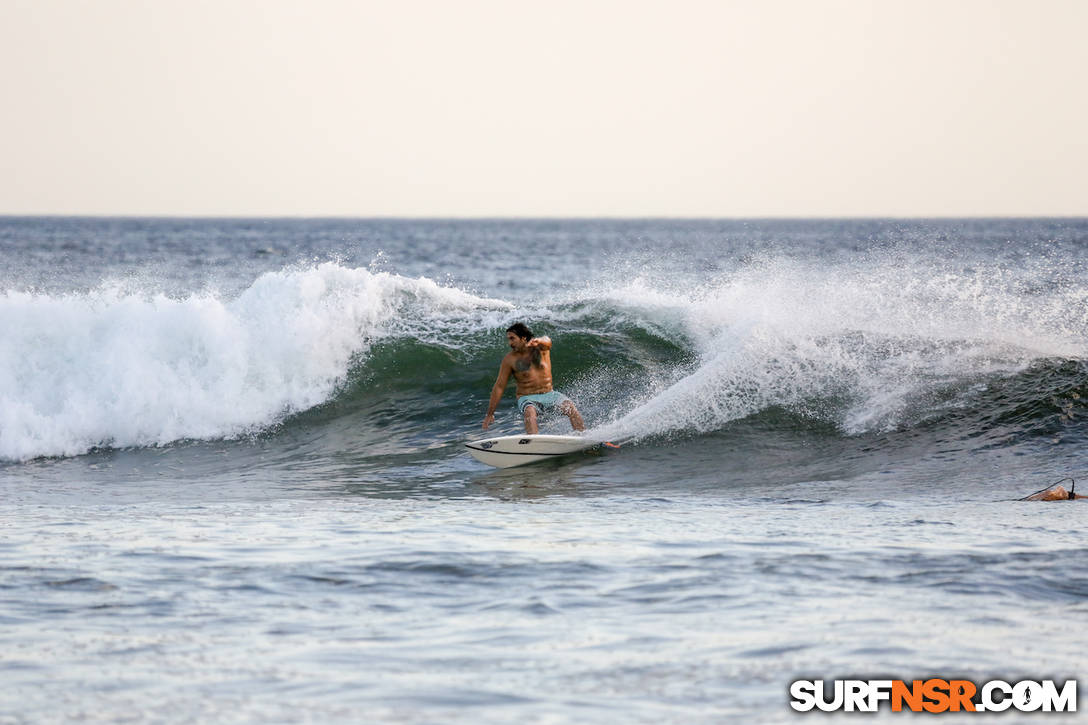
(517, 335)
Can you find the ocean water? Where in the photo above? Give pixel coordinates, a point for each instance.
(233, 485)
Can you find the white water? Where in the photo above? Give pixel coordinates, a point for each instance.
(115, 368)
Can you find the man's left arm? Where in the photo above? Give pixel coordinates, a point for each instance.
(543, 343)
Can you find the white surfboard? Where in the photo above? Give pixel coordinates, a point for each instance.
(508, 451)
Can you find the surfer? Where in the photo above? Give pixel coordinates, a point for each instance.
(1056, 492)
(529, 361)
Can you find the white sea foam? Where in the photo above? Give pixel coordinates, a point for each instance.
(114, 368)
(880, 337)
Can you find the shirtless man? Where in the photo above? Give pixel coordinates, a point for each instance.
(529, 361)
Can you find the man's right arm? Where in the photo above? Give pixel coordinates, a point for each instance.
(497, 390)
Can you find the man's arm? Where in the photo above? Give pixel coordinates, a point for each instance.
(544, 343)
(497, 390)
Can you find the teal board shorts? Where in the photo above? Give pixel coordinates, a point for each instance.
(543, 401)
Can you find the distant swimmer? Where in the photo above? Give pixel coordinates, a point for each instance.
(1056, 492)
(529, 361)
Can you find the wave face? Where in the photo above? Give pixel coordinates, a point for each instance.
(853, 341)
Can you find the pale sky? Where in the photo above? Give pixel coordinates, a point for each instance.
(504, 108)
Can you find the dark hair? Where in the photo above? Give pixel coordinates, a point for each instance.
(519, 329)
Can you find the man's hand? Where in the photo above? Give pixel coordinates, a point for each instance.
(488, 420)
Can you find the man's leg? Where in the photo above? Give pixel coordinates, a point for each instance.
(567, 408)
(531, 426)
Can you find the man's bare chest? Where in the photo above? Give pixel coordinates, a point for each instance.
(525, 369)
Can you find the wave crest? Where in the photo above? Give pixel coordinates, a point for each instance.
(113, 368)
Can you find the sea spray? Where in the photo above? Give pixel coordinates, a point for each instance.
(868, 345)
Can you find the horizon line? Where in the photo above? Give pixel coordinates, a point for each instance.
(501, 217)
